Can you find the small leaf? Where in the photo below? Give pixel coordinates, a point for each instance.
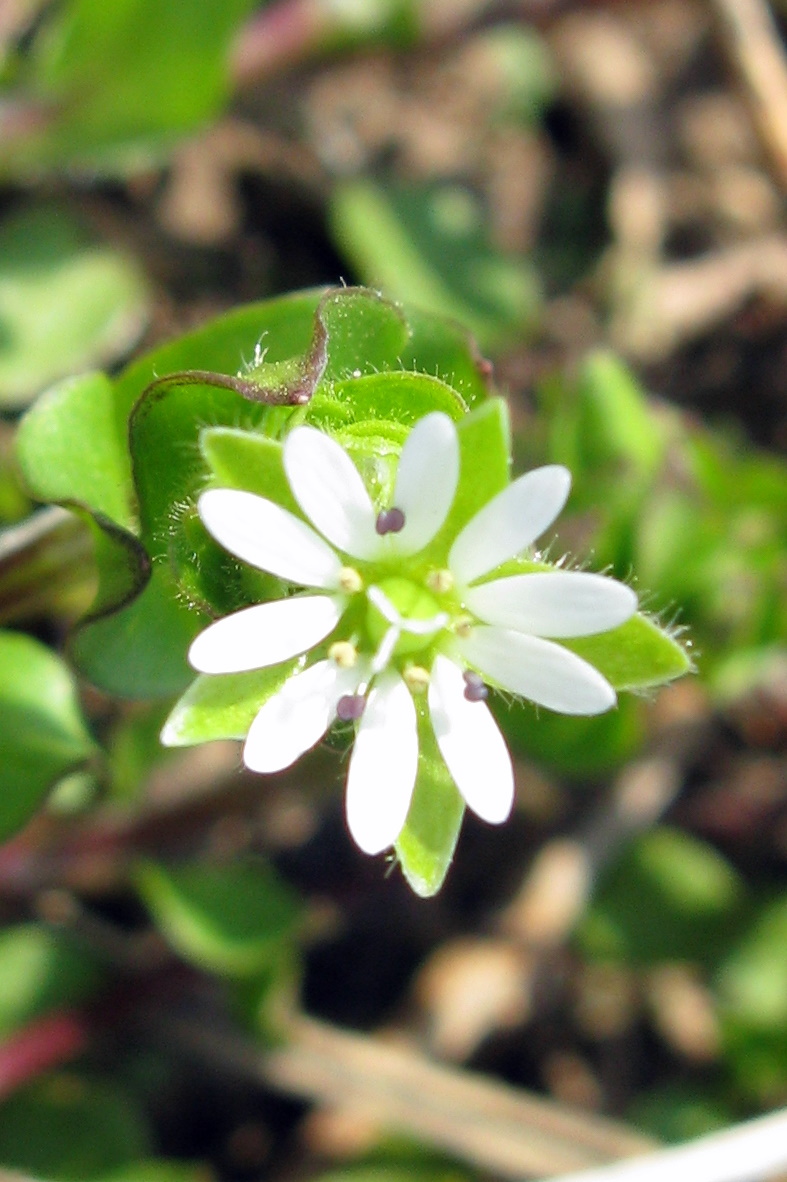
(42, 732)
(66, 304)
(42, 970)
(425, 847)
(669, 897)
(428, 245)
(223, 706)
(70, 1128)
(233, 920)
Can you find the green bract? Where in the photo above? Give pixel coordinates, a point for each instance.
(212, 410)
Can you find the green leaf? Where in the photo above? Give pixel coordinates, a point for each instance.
(66, 304)
(120, 81)
(71, 447)
(235, 920)
(428, 245)
(752, 982)
(426, 844)
(445, 349)
(71, 1128)
(156, 1170)
(223, 706)
(636, 656)
(43, 970)
(42, 732)
(669, 897)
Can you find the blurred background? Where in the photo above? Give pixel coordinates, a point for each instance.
(597, 190)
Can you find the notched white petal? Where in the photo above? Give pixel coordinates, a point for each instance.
(510, 522)
(265, 634)
(266, 536)
(553, 603)
(538, 669)
(383, 766)
(426, 481)
(296, 718)
(328, 487)
(471, 744)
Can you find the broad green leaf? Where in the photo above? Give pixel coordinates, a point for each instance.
(234, 920)
(140, 650)
(669, 897)
(119, 82)
(428, 246)
(42, 732)
(426, 845)
(42, 970)
(365, 332)
(71, 1128)
(445, 349)
(636, 656)
(223, 706)
(72, 449)
(66, 304)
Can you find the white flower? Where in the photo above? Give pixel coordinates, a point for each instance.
(388, 634)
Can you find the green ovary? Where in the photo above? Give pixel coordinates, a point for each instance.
(412, 603)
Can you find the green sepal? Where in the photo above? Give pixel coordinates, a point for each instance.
(426, 844)
(224, 705)
(245, 460)
(484, 469)
(233, 920)
(636, 656)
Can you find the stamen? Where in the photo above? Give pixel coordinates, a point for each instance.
(416, 678)
(440, 581)
(463, 626)
(343, 653)
(389, 521)
(350, 707)
(350, 581)
(475, 689)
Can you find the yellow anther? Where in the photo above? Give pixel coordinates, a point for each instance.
(343, 653)
(463, 626)
(417, 678)
(350, 581)
(439, 581)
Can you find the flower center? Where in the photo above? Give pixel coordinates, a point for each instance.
(397, 603)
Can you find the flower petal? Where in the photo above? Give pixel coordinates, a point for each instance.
(297, 717)
(426, 481)
(555, 603)
(263, 534)
(510, 522)
(328, 487)
(265, 634)
(471, 744)
(537, 669)
(383, 766)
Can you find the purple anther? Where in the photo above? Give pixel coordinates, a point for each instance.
(350, 707)
(475, 689)
(389, 521)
